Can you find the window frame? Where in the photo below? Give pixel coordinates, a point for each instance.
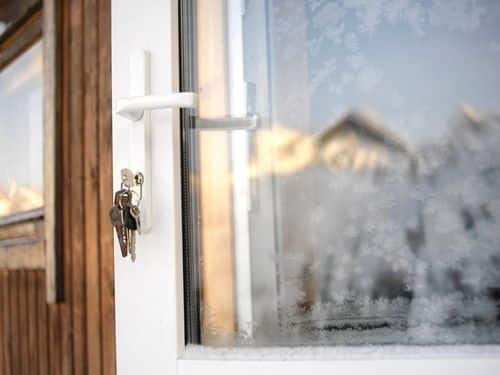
(150, 294)
(37, 248)
(21, 34)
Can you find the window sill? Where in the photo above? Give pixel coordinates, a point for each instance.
(387, 360)
(372, 352)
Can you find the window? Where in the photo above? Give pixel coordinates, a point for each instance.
(21, 183)
(28, 138)
(14, 13)
(345, 189)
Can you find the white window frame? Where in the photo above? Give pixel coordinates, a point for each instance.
(149, 293)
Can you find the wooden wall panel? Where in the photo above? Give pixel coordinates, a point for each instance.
(66, 174)
(105, 177)
(13, 323)
(77, 335)
(75, 139)
(91, 187)
(5, 330)
(42, 335)
(23, 321)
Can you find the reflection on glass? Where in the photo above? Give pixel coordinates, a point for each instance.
(11, 11)
(365, 209)
(21, 129)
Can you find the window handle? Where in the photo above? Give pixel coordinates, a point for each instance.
(138, 141)
(133, 107)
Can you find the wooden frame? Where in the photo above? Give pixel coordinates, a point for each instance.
(75, 335)
(31, 240)
(21, 35)
(51, 114)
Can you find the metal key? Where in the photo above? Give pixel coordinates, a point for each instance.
(131, 225)
(125, 214)
(117, 220)
(131, 244)
(128, 178)
(136, 214)
(129, 219)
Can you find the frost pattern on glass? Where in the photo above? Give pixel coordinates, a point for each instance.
(406, 252)
(378, 147)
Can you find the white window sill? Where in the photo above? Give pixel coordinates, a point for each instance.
(393, 360)
(198, 352)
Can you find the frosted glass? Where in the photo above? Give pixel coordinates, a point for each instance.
(370, 212)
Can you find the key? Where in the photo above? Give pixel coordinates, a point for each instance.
(125, 202)
(116, 218)
(129, 219)
(132, 244)
(128, 177)
(122, 199)
(136, 214)
(132, 225)
(125, 214)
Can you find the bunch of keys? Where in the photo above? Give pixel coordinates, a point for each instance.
(125, 213)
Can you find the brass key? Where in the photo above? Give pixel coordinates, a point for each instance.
(131, 225)
(117, 220)
(125, 213)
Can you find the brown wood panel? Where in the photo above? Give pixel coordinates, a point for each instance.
(22, 254)
(3, 337)
(91, 187)
(54, 344)
(77, 156)
(23, 320)
(66, 220)
(76, 335)
(106, 189)
(32, 326)
(13, 322)
(42, 334)
(7, 324)
(5, 334)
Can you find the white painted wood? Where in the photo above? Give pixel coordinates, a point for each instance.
(239, 163)
(344, 367)
(149, 303)
(140, 132)
(148, 293)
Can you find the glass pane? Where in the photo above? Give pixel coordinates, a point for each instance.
(13, 10)
(365, 206)
(21, 133)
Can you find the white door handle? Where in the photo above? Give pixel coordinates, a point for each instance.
(133, 107)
